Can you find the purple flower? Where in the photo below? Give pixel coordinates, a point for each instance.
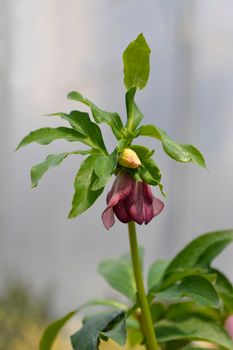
(130, 200)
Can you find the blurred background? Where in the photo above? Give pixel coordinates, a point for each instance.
(48, 48)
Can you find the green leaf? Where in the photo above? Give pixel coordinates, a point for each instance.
(177, 151)
(54, 328)
(201, 251)
(156, 272)
(81, 122)
(136, 58)
(157, 311)
(100, 116)
(150, 172)
(87, 338)
(84, 196)
(194, 287)
(118, 332)
(52, 331)
(178, 275)
(104, 168)
(44, 136)
(51, 160)
(225, 290)
(134, 115)
(119, 275)
(143, 152)
(193, 328)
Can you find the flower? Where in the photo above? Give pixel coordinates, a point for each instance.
(129, 159)
(130, 200)
(229, 325)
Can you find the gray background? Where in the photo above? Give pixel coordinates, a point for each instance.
(48, 48)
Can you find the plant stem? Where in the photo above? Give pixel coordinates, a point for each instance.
(148, 327)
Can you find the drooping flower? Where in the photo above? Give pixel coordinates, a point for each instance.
(130, 200)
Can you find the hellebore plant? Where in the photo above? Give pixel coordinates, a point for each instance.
(186, 300)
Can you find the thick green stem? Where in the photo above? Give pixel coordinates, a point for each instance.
(148, 327)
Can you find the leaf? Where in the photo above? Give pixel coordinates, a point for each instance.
(84, 196)
(134, 115)
(104, 168)
(156, 272)
(54, 328)
(44, 136)
(193, 327)
(119, 275)
(118, 332)
(52, 160)
(136, 58)
(52, 331)
(87, 338)
(100, 116)
(81, 122)
(225, 290)
(201, 251)
(177, 151)
(143, 152)
(194, 287)
(150, 172)
(178, 275)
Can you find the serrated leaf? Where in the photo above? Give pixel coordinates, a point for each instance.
(177, 151)
(105, 166)
(156, 272)
(100, 116)
(201, 251)
(44, 136)
(193, 328)
(52, 331)
(136, 58)
(87, 338)
(119, 275)
(118, 332)
(51, 160)
(84, 196)
(81, 122)
(134, 115)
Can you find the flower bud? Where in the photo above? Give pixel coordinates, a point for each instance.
(129, 159)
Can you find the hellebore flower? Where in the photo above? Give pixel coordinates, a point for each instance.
(130, 200)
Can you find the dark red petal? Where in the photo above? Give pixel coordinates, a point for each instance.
(134, 203)
(148, 196)
(120, 189)
(158, 206)
(108, 218)
(121, 213)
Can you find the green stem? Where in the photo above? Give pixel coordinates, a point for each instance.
(148, 327)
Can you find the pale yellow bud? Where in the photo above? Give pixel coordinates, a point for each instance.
(129, 159)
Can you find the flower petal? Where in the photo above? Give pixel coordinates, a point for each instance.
(158, 206)
(120, 190)
(134, 203)
(108, 218)
(121, 213)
